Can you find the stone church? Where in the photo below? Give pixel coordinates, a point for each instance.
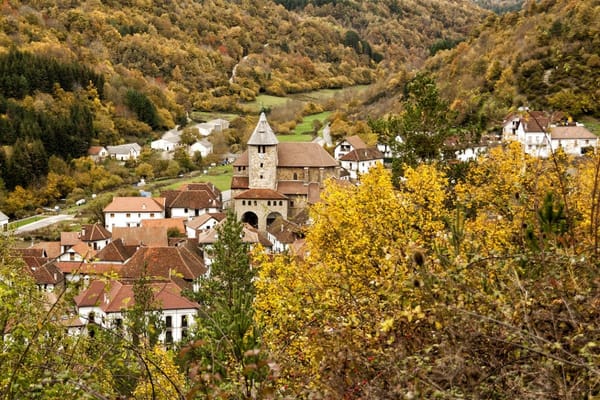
(272, 179)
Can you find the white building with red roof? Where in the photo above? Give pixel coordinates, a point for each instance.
(130, 211)
(105, 304)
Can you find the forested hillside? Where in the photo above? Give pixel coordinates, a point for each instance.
(545, 56)
(500, 6)
(82, 73)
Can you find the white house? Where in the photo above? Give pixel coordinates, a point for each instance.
(573, 139)
(97, 153)
(359, 161)
(104, 304)
(124, 152)
(130, 211)
(95, 236)
(347, 145)
(3, 222)
(204, 147)
(202, 223)
(163, 145)
(192, 200)
(541, 134)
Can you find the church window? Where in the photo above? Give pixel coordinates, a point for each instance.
(261, 177)
(291, 204)
(254, 202)
(280, 202)
(268, 202)
(243, 202)
(262, 149)
(261, 165)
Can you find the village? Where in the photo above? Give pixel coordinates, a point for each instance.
(168, 239)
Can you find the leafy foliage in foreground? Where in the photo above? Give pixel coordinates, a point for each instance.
(487, 291)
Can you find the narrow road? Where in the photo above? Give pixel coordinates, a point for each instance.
(42, 223)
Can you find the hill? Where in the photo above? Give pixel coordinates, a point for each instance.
(543, 56)
(115, 71)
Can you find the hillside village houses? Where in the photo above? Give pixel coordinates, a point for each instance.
(542, 133)
(168, 237)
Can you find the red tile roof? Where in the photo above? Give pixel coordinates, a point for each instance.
(200, 220)
(356, 142)
(136, 204)
(571, 132)
(116, 251)
(292, 154)
(239, 182)
(168, 223)
(69, 238)
(365, 154)
(94, 232)
(116, 296)
(266, 194)
(137, 236)
(53, 249)
(164, 262)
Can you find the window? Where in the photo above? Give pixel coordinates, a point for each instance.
(92, 317)
(268, 202)
(261, 176)
(261, 165)
(71, 256)
(262, 149)
(151, 215)
(112, 215)
(169, 337)
(243, 202)
(280, 202)
(291, 204)
(169, 321)
(128, 215)
(255, 202)
(118, 322)
(184, 321)
(295, 176)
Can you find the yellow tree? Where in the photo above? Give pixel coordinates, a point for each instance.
(332, 319)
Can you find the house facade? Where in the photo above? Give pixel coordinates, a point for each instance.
(124, 152)
(192, 200)
(358, 161)
(3, 222)
(105, 304)
(130, 211)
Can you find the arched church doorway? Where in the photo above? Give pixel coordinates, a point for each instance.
(272, 217)
(250, 218)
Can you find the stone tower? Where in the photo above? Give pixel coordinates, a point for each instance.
(262, 156)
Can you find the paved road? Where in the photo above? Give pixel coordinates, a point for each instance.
(42, 223)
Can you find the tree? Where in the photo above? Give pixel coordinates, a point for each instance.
(226, 349)
(419, 132)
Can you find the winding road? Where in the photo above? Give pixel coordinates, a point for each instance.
(42, 223)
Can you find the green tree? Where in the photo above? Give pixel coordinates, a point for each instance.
(226, 347)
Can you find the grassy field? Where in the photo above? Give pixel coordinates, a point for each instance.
(219, 176)
(207, 116)
(307, 123)
(592, 124)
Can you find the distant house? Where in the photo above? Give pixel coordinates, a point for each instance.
(95, 236)
(192, 200)
(204, 147)
(164, 144)
(542, 133)
(142, 235)
(3, 222)
(283, 233)
(202, 223)
(575, 140)
(104, 303)
(124, 152)
(97, 153)
(359, 161)
(214, 125)
(347, 145)
(130, 211)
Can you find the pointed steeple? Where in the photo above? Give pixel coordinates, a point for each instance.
(263, 135)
